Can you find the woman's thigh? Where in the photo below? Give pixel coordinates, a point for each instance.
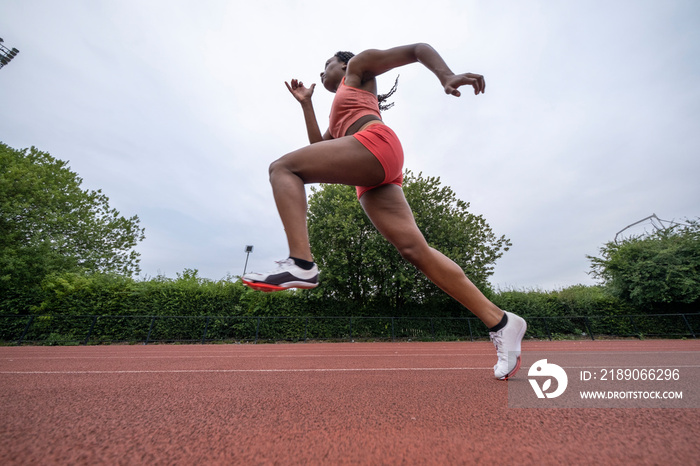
(387, 208)
(340, 161)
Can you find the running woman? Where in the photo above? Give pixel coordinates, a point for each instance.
(358, 149)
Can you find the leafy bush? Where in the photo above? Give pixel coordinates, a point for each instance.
(359, 266)
(659, 272)
(105, 308)
(50, 225)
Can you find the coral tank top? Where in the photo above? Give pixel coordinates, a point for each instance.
(349, 105)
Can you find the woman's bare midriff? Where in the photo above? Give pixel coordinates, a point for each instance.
(363, 123)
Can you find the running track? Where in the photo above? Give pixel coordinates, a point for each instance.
(339, 403)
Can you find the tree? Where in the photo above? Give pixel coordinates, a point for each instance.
(48, 224)
(654, 272)
(358, 265)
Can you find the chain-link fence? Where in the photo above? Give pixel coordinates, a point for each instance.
(66, 330)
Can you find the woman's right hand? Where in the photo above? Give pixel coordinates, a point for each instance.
(465, 79)
(301, 93)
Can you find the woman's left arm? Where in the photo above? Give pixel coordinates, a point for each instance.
(303, 96)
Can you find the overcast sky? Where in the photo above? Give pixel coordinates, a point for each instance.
(175, 109)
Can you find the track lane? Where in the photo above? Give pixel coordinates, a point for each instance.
(366, 403)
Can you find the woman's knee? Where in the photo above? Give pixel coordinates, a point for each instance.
(274, 167)
(415, 253)
(280, 165)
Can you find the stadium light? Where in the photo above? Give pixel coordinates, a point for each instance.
(6, 55)
(248, 250)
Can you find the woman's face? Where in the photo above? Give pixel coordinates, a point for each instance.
(333, 73)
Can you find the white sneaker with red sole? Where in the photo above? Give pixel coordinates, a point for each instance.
(507, 342)
(287, 275)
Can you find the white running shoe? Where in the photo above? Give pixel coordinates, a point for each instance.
(287, 275)
(507, 342)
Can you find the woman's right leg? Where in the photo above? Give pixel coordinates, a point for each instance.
(342, 161)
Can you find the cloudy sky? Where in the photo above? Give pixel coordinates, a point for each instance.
(175, 108)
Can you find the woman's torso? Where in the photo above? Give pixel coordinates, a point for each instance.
(353, 109)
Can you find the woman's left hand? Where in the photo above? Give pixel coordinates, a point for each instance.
(465, 79)
(299, 91)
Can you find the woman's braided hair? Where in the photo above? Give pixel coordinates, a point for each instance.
(345, 58)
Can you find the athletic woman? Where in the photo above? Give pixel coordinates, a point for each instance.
(358, 149)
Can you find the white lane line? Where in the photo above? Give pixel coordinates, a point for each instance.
(262, 371)
(186, 371)
(249, 356)
(358, 355)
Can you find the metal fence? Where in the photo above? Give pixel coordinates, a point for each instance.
(66, 329)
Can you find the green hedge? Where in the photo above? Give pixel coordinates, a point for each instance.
(112, 308)
(68, 329)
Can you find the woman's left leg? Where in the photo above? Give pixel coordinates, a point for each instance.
(390, 213)
(386, 206)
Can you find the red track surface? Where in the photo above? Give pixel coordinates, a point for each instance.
(360, 403)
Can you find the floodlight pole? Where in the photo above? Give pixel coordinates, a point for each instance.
(248, 250)
(6, 55)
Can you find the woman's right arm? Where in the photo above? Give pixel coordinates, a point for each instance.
(371, 63)
(303, 95)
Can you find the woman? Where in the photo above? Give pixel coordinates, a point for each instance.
(358, 149)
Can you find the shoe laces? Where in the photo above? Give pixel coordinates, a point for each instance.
(281, 264)
(497, 339)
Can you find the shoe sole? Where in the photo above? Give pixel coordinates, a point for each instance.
(513, 372)
(267, 288)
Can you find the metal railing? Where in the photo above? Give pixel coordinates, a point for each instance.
(94, 329)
